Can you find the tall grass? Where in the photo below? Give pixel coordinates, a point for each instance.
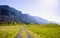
(8, 31)
(45, 31)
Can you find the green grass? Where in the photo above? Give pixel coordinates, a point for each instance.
(8, 31)
(45, 31)
(41, 30)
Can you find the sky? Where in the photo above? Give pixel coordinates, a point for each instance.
(47, 9)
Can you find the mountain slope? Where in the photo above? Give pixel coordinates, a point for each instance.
(9, 14)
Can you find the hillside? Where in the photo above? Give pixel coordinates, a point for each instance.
(10, 15)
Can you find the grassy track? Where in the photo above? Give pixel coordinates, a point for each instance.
(24, 33)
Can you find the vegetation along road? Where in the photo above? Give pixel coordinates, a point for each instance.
(29, 31)
(24, 33)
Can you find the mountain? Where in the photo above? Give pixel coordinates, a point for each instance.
(10, 15)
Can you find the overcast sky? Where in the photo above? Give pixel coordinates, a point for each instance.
(47, 9)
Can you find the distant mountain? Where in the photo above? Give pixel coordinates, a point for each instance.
(9, 14)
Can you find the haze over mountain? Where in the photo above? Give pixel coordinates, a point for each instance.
(9, 14)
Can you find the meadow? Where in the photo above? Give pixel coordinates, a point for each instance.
(45, 31)
(36, 30)
(8, 31)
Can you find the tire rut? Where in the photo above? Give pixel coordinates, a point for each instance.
(28, 35)
(19, 34)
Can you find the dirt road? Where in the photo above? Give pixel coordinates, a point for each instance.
(23, 33)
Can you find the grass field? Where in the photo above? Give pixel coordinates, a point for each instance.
(8, 31)
(37, 31)
(45, 31)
